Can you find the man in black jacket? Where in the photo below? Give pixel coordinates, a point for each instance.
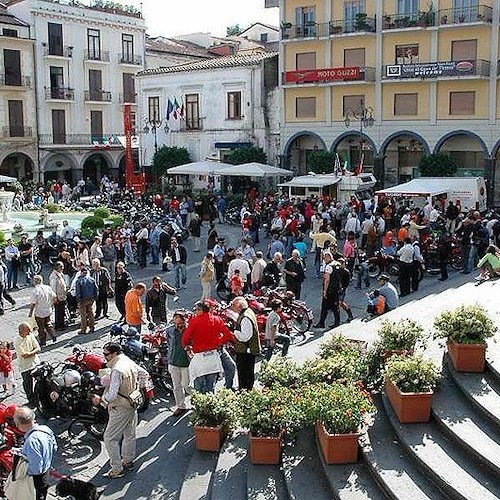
(178, 255)
(331, 287)
(195, 230)
(164, 244)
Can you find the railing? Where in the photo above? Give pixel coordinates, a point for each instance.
(130, 59)
(66, 51)
(96, 55)
(409, 20)
(97, 95)
(360, 24)
(475, 14)
(16, 131)
(191, 124)
(80, 139)
(15, 81)
(60, 93)
(127, 98)
(437, 69)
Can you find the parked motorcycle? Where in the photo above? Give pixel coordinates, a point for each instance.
(382, 262)
(62, 392)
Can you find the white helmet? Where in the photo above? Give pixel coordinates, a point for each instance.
(71, 378)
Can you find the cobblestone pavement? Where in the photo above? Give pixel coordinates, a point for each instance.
(165, 443)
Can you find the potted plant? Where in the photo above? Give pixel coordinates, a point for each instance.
(214, 417)
(338, 412)
(400, 337)
(279, 371)
(267, 414)
(360, 24)
(465, 330)
(409, 384)
(346, 366)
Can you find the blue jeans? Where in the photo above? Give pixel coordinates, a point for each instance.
(155, 254)
(363, 275)
(127, 248)
(11, 274)
(180, 274)
(205, 383)
(229, 367)
(472, 259)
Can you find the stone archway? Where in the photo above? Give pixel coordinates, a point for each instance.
(354, 148)
(402, 152)
(17, 165)
(121, 167)
(96, 166)
(59, 167)
(297, 149)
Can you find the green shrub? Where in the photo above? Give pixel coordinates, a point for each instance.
(116, 220)
(52, 208)
(400, 336)
(412, 374)
(90, 226)
(3, 239)
(215, 409)
(338, 344)
(341, 367)
(279, 371)
(102, 212)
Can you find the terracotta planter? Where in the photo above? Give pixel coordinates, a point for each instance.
(337, 448)
(208, 438)
(410, 407)
(265, 450)
(386, 355)
(467, 357)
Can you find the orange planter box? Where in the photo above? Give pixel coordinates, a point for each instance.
(337, 448)
(208, 438)
(467, 357)
(265, 450)
(410, 407)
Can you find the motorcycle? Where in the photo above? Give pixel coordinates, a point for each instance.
(382, 262)
(62, 392)
(152, 359)
(6, 463)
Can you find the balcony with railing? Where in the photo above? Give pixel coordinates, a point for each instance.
(191, 124)
(460, 15)
(439, 69)
(14, 131)
(95, 141)
(97, 96)
(128, 98)
(65, 51)
(422, 19)
(360, 24)
(96, 55)
(15, 80)
(60, 93)
(130, 59)
(329, 75)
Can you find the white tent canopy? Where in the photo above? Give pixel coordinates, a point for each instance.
(256, 170)
(428, 186)
(320, 181)
(199, 168)
(5, 179)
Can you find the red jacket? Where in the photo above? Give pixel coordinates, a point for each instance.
(206, 332)
(6, 362)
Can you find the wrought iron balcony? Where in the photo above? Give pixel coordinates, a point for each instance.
(96, 55)
(60, 93)
(64, 51)
(130, 59)
(360, 24)
(310, 29)
(16, 131)
(191, 124)
(454, 69)
(97, 141)
(97, 95)
(409, 20)
(459, 15)
(15, 80)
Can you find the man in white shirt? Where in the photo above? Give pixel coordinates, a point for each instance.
(406, 256)
(241, 264)
(27, 349)
(433, 217)
(257, 271)
(68, 232)
(142, 238)
(41, 306)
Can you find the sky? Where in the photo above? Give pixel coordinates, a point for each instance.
(177, 17)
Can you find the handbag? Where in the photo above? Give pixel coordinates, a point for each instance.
(18, 484)
(110, 294)
(135, 398)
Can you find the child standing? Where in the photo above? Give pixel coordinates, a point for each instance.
(6, 369)
(236, 284)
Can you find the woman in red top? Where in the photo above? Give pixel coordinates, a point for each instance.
(6, 369)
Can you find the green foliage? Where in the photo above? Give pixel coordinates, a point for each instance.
(412, 374)
(465, 325)
(3, 239)
(52, 208)
(215, 409)
(321, 162)
(279, 371)
(90, 226)
(236, 200)
(166, 158)
(400, 336)
(233, 30)
(344, 367)
(116, 220)
(268, 413)
(341, 408)
(247, 155)
(437, 165)
(102, 212)
(337, 344)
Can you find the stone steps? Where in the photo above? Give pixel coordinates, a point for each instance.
(449, 466)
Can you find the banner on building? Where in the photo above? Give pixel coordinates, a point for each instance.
(322, 75)
(431, 70)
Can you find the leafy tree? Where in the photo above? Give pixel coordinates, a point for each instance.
(167, 157)
(321, 162)
(233, 30)
(437, 165)
(247, 155)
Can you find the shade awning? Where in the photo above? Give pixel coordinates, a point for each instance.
(254, 169)
(418, 187)
(312, 181)
(5, 179)
(199, 168)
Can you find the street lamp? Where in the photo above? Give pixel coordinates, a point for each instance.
(152, 126)
(363, 114)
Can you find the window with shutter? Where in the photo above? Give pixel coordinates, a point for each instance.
(58, 126)
(405, 104)
(354, 58)
(305, 60)
(305, 107)
(16, 121)
(128, 87)
(464, 50)
(352, 103)
(55, 39)
(96, 126)
(462, 103)
(12, 66)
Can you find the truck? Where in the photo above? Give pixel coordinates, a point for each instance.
(469, 191)
(338, 187)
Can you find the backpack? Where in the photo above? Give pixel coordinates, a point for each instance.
(335, 280)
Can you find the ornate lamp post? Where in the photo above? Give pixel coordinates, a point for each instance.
(365, 117)
(152, 126)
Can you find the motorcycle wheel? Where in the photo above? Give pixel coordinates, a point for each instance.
(96, 430)
(457, 262)
(37, 266)
(222, 291)
(296, 337)
(41, 405)
(373, 270)
(300, 319)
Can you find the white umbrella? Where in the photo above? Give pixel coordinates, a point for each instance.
(6, 179)
(256, 170)
(199, 168)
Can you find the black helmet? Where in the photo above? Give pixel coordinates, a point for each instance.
(89, 377)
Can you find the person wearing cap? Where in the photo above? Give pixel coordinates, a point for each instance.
(178, 362)
(389, 292)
